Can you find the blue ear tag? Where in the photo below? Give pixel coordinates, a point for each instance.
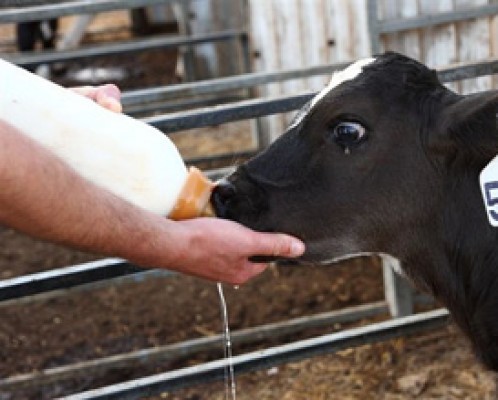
(489, 187)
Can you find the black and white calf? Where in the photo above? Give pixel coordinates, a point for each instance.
(29, 34)
(386, 160)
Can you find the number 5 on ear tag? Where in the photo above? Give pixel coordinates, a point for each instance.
(489, 187)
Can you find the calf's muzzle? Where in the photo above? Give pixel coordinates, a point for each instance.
(221, 196)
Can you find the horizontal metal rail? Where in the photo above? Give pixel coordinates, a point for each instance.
(267, 106)
(47, 11)
(425, 21)
(190, 347)
(468, 70)
(227, 113)
(242, 81)
(267, 358)
(161, 42)
(64, 278)
(28, 3)
(141, 109)
(91, 285)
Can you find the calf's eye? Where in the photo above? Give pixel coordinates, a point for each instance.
(348, 134)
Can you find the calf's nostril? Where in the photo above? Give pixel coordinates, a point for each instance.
(225, 190)
(222, 193)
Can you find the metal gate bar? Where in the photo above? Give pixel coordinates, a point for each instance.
(244, 81)
(64, 278)
(72, 7)
(160, 42)
(242, 110)
(267, 358)
(91, 285)
(188, 348)
(267, 106)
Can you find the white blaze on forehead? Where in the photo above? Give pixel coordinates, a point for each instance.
(339, 77)
(347, 74)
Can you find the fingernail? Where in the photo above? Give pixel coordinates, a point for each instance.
(297, 248)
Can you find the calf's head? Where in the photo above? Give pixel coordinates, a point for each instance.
(384, 160)
(362, 162)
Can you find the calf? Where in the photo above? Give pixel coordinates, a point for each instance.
(31, 32)
(386, 160)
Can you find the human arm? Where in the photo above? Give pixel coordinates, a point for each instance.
(43, 197)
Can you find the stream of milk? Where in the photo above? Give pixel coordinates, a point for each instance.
(230, 385)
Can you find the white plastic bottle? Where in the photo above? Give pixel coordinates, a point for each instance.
(130, 158)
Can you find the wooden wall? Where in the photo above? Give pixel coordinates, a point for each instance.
(447, 44)
(290, 34)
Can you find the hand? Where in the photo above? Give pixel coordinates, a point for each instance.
(108, 96)
(218, 250)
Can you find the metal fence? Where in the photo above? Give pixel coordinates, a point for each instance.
(114, 271)
(399, 299)
(47, 9)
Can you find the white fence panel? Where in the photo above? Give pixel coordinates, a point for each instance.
(289, 34)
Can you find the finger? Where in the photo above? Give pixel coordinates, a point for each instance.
(109, 90)
(277, 245)
(248, 271)
(87, 91)
(108, 96)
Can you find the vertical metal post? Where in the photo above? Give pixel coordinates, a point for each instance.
(258, 127)
(228, 55)
(397, 290)
(374, 27)
(72, 38)
(246, 53)
(181, 10)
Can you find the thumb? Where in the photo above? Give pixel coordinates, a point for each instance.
(278, 244)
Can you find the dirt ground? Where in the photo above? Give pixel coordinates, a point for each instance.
(87, 325)
(82, 326)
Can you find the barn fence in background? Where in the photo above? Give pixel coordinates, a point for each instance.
(294, 34)
(399, 299)
(193, 18)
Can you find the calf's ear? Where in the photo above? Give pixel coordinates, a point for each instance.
(470, 123)
(473, 108)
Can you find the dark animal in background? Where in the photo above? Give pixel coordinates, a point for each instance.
(386, 160)
(29, 34)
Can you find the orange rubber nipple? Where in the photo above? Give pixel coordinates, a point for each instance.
(193, 200)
